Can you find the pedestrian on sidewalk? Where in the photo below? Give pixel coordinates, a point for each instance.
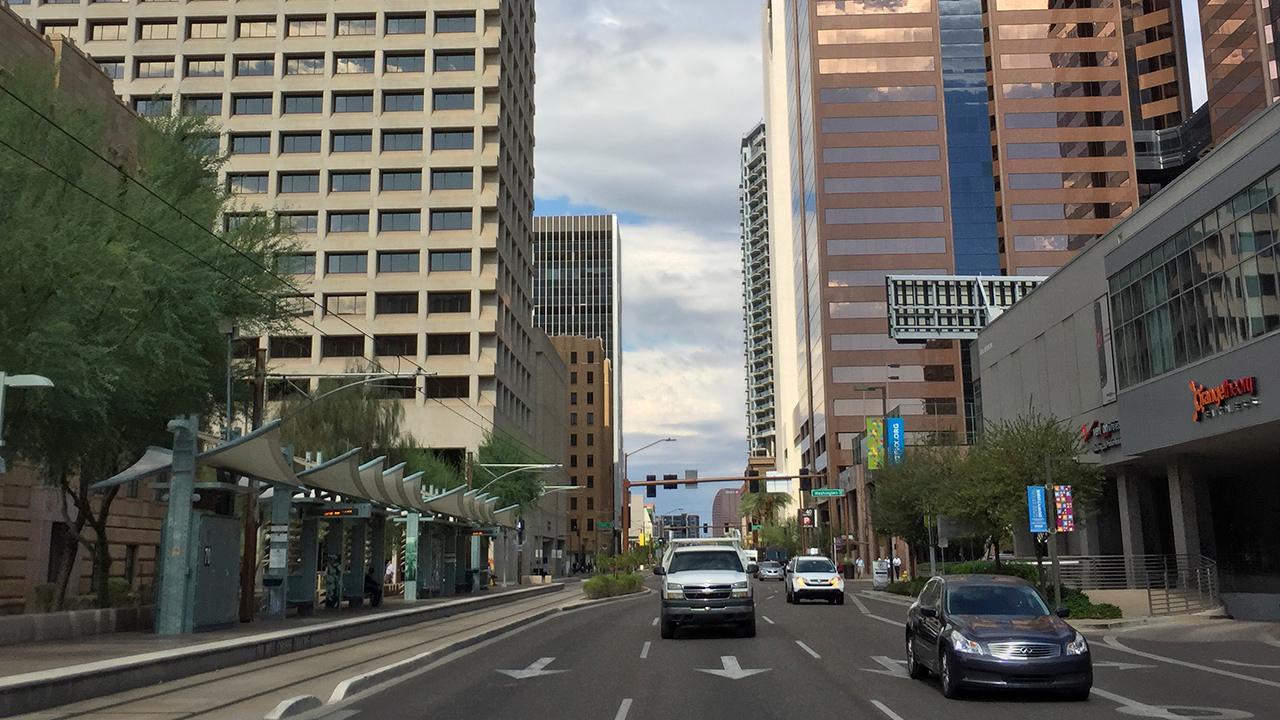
(857, 565)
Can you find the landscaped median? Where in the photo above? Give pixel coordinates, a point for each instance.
(1082, 608)
(606, 586)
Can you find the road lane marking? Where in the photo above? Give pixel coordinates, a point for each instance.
(1245, 664)
(1167, 712)
(892, 667)
(885, 709)
(1120, 665)
(644, 651)
(766, 619)
(655, 621)
(536, 669)
(623, 710)
(1112, 642)
(808, 649)
(732, 669)
(861, 606)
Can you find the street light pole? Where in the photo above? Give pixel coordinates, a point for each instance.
(17, 381)
(626, 493)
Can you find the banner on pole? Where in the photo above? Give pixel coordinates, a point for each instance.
(896, 430)
(1036, 509)
(1063, 508)
(875, 443)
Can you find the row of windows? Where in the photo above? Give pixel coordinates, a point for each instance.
(920, 63)
(399, 261)
(1023, 61)
(1213, 285)
(344, 181)
(918, 183)
(355, 141)
(850, 36)
(265, 65)
(310, 103)
(887, 93)
(358, 221)
(268, 27)
(384, 303)
(1046, 31)
(1065, 211)
(1068, 180)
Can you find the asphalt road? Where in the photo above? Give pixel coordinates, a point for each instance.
(814, 661)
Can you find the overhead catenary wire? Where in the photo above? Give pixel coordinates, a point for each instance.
(285, 282)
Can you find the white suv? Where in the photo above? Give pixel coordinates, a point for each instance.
(814, 576)
(706, 584)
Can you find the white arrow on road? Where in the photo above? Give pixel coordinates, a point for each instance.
(732, 669)
(892, 666)
(533, 670)
(1119, 665)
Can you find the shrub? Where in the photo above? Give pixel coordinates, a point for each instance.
(910, 588)
(46, 596)
(1026, 571)
(603, 586)
(119, 592)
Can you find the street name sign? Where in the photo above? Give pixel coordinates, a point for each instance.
(827, 492)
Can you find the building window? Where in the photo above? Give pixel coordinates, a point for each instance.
(367, 25)
(207, 30)
(163, 30)
(448, 387)
(353, 103)
(591, 461)
(248, 183)
(346, 304)
(352, 64)
(449, 344)
(290, 347)
(346, 263)
(306, 27)
(404, 63)
(940, 406)
(573, 461)
(299, 182)
(304, 104)
(402, 102)
(591, 525)
(573, 398)
(573, 439)
(340, 182)
(401, 180)
(208, 67)
(591, 418)
(400, 221)
(453, 140)
(449, 302)
(297, 264)
(255, 67)
(403, 388)
(591, 377)
(401, 141)
(302, 143)
(299, 223)
(573, 505)
(591, 502)
(352, 142)
(398, 262)
(573, 378)
(348, 222)
(573, 358)
(304, 65)
(155, 68)
(265, 28)
(250, 144)
(210, 106)
(395, 345)
(454, 100)
(450, 219)
(591, 439)
(341, 346)
(446, 23)
(252, 105)
(109, 31)
(455, 62)
(452, 180)
(450, 260)
(591, 481)
(113, 68)
(407, 25)
(591, 357)
(591, 398)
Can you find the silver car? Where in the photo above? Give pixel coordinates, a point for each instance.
(769, 570)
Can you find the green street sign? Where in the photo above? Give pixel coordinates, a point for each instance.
(755, 527)
(604, 524)
(827, 492)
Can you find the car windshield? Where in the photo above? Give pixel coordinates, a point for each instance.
(1007, 600)
(717, 560)
(769, 565)
(815, 565)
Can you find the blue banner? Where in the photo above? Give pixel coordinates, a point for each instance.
(896, 433)
(1036, 509)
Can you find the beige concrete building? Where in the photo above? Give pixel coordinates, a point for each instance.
(396, 141)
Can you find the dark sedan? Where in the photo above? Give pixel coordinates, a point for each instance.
(991, 631)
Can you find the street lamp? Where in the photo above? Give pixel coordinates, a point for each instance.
(626, 492)
(17, 381)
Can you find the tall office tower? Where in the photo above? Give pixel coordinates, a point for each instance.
(397, 145)
(756, 294)
(577, 291)
(1240, 60)
(724, 511)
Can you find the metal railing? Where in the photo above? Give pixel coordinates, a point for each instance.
(1174, 583)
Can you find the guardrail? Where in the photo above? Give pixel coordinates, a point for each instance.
(1174, 583)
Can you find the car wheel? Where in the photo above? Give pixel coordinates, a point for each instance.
(831, 601)
(946, 675)
(749, 627)
(914, 668)
(840, 599)
(667, 628)
(790, 599)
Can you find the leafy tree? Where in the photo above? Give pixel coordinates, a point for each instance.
(113, 292)
(521, 487)
(764, 507)
(904, 495)
(337, 417)
(782, 536)
(437, 470)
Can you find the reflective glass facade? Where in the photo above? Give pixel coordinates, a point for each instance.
(1212, 286)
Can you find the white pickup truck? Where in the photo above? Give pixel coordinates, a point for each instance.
(706, 583)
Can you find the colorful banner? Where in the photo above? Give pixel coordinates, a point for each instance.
(1063, 508)
(897, 436)
(875, 443)
(1036, 509)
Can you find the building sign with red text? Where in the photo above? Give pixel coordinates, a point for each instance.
(1212, 402)
(1101, 436)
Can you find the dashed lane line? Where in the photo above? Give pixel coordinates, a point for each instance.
(885, 709)
(862, 607)
(809, 650)
(655, 621)
(644, 651)
(1112, 642)
(623, 710)
(766, 619)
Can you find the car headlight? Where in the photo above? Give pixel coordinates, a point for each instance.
(799, 581)
(962, 644)
(1078, 646)
(742, 584)
(741, 590)
(674, 591)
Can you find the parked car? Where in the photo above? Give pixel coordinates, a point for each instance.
(814, 576)
(769, 570)
(992, 631)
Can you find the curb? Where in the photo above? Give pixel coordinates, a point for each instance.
(293, 707)
(30, 692)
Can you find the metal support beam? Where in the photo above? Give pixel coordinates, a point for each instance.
(310, 550)
(276, 576)
(172, 616)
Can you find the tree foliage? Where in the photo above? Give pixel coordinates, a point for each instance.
(765, 508)
(114, 293)
(782, 536)
(340, 415)
(517, 487)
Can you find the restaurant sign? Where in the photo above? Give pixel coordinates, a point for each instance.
(1212, 402)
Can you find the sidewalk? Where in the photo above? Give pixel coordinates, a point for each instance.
(35, 676)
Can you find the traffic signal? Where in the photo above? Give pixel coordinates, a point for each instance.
(753, 482)
(806, 483)
(670, 485)
(651, 490)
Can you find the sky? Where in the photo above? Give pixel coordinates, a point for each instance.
(641, 109)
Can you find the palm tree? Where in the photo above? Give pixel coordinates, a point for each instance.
(764, 507)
